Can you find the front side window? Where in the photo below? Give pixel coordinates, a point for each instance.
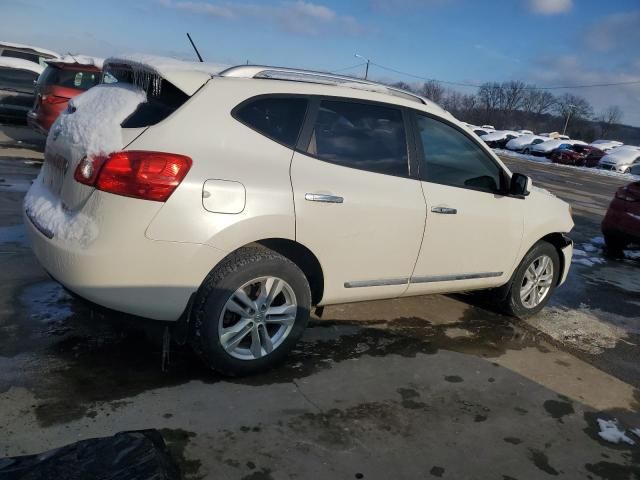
(279, 118)
(452, 158)
(361, 135)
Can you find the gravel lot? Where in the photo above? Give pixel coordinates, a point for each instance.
(426, 387)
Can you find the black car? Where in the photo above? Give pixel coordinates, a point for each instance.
(17, 88)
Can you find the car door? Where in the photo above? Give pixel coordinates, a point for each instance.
(357, 207)
(473, 232)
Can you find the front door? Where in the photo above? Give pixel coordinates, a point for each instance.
(473, 231)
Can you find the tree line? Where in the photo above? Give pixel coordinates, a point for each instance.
(515, 105)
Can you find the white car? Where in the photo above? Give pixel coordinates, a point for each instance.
(544, 149)
(621, 159)
(489, 127)
(523, 142)
(232, 203)
(499, 138)
(526, 132)
(606, 145)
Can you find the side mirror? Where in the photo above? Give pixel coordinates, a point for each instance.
(520, 185)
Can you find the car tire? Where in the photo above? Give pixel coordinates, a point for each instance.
(614, 246)
(527, 151)
(216, 318)
(543, 282)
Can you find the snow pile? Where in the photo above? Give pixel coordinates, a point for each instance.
(46, 210)
(93, 119)
(610, 431)
(81, 60)
(582, 257)
(20, 64)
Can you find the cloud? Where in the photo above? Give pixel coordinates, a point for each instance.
(550, 7)
(620, 31)
(299, 17)
(572, 70)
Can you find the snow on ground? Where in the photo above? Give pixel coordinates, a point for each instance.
(47, 211)
(93, 119)
(579, 328)
(610, 431)
(597, 171)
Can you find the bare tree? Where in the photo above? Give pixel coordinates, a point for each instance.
(490, 96)
(433, 91)
(577, 107)
(537, 101)
(609, 118)
(513, 95)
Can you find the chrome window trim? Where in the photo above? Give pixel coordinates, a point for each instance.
(422, 279)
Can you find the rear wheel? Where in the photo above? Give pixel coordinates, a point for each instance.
(250, 312)
(527, 151)
(614, 246)
(534, 281)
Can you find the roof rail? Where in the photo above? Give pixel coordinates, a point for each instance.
(310, 76)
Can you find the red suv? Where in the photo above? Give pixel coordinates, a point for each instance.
(578, 155)
(60, 82)
(621, 225)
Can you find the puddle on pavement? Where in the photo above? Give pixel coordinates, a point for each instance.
(13, 235)
(624, 276)
(97, 356)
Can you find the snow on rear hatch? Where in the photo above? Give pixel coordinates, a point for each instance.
(90, 126)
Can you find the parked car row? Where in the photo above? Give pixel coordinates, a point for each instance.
(36, 84)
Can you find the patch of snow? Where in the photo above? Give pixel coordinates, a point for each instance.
(93, 118)
(531, 158)
(21, 64)
(636, 432)
(80, 60)
(43, 51)
(610, 431)
(47, 211)
(579, 328)
(632, 254)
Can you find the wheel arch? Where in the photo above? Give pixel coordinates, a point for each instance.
(559, 241)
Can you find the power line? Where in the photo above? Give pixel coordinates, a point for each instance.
(462, 84)
(349, 68)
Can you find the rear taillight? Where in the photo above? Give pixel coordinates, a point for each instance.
(138, 174)
(53, 99)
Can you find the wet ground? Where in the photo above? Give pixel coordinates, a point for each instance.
(427, 387)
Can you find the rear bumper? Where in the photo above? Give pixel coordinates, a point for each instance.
(123, 270)
(620, 224)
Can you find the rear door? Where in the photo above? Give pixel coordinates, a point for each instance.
(473, 231)
(357, 207)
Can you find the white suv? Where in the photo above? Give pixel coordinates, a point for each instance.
(234, 202)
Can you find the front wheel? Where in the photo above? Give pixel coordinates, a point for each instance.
(250, 312)
(534, 281)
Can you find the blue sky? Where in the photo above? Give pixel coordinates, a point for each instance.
(547, 42)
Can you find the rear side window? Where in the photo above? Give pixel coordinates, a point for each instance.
(452, 158)
(23, 55)
(279, 118)
(359, 135)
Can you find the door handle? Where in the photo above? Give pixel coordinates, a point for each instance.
(444, 210)
(321, 197)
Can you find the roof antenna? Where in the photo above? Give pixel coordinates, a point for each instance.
(195, 48)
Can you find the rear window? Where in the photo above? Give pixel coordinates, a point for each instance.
(279, 118)
(16, 79)
(69, 78)
(163, 98)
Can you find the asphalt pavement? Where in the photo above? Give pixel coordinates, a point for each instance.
(426, 387)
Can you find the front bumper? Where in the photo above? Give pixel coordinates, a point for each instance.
(567, 255)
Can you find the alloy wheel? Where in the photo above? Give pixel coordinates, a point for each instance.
(257, 318)
(537, 281)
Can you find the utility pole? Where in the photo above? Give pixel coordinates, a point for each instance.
(566, 124)
(366, 70)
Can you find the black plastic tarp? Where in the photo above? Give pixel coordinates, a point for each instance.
(135, 455)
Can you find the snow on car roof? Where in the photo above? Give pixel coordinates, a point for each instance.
(187, 76)
(498, 135)
(42, 51)
(21, 64)
(79, 60)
